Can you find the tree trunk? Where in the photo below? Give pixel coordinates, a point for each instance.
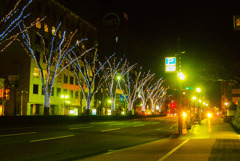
(113, 112)
(46, 104)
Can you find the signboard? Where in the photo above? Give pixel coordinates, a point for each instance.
(122, 99)
(170, 64)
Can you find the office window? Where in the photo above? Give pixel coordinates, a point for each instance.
(71, 93)
(58, 92)
(36, 72)
(45, 27)
(53, 30)
(78, 42)
(35, 89)
(71, 80)
(65, 91)
(83, 46)
(59, 78)
(76, 81)
(45, 74)
(60, 34)
(65, 79)
(38, 24)
(76, 94)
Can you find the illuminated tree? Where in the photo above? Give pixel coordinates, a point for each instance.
(143, 94)
(54, 57)
(87, 71)
(113, 74)
(132, 83)
(9, 24)
(156, 93)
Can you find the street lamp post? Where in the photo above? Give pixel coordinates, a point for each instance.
(181, 77)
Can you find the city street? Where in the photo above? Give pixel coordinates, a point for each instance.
(213, 140)
(79, 141)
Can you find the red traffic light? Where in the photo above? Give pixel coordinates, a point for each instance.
(172, 105)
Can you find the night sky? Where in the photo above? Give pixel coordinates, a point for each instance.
(205, 30)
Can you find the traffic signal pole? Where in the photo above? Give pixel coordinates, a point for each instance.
(180, 109)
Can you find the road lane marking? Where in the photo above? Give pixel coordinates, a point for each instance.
(27, 133)
(59, 137)
(173, 150)
(138, 125)
(137, 122)
(76, 128)
(110, 130)
(155, 123)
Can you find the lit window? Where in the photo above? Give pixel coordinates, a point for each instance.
(36, 72)
(7, 93)
(38, 24)
(45, 74)
(53, 30)
(83, 47)
(77, 42)
(45, 27)
(60, 34)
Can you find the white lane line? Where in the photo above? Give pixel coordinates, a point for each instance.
(173, 150)
(27, 133)
(162, 129)
(76, 128)
(110, 130)
(59, 137)
(138, 125)
(155, 123)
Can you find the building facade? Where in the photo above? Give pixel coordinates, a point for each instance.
(22, 77)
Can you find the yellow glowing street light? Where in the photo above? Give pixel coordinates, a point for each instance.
(181, 76)
(198, 89)
(194, 98)
(64, 96)
(226, 103)
(119, 77)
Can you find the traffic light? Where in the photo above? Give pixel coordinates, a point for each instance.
(236, 22)
(6, 94)
(173, 105)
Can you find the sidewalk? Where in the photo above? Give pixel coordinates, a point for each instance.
(212, 140)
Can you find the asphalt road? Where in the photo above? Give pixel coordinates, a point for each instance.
(213, 140)
(79, 141)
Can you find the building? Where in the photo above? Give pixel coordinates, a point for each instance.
(22, 78)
